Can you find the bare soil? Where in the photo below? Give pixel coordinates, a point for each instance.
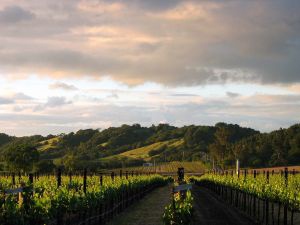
(209, 210)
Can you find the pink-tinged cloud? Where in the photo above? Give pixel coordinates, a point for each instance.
(174, 43)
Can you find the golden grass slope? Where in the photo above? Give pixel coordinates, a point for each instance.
(50, 143)
(143, 152)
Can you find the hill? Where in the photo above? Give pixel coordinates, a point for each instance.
(48, 144)
(147, 152)
(134, 145)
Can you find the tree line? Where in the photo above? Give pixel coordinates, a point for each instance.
(221, 144)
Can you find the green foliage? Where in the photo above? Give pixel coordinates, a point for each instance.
(278, 148)
(48, 201)
(199, 136)
(158, 150)
(223, 143)
(4, 139)
(44, 166)
(180, 211)
(275, 189)
(21, 157)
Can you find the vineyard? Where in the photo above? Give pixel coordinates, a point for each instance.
(260, 196)
(268, 197)
(169, 168)
(61, 200)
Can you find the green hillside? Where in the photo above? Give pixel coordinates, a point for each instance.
(48, 144)
(133, 145)
(156, 149)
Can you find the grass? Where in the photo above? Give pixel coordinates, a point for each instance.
(148, 211)
(47, 144)
(143, 152)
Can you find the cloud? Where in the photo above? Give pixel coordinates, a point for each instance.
(63, 86)
(15, 14)
(57, 101)
(232, 94)
(113, 95)
(13, 98)
(184, 95)
(53, 102)
(174, 43)
(294, 88)
(22, 96)
(156, 5)
(101, 7)
(153, 5)
(6, 101)
(57, 114)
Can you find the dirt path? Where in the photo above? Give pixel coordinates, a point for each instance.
(211, 211)
(147, 211)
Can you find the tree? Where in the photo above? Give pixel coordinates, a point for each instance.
(70, 162)
(21, 157)
(44, 166)
(280, 149)
(219, 149)
(294, 154)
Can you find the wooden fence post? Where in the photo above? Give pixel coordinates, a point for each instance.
(112, 176)
(13, 177)
(31, 178)
(101, 180)
(70, 177)
(58, 177)
(20, 177)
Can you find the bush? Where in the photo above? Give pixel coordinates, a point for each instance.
(180, 212)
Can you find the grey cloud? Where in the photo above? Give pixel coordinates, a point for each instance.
(113, 95)
(261, 46)
(57, 101)
(183, 95)
(6, 101)
(14, 14)
(157, 4)
(281, 111)
(152, 5)
(64, 86)
(15, 97)
(22, 96)
(53, 102)
(147, 47)
(73, 62)
(232, 94)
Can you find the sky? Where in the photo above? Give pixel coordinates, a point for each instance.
(77, 64)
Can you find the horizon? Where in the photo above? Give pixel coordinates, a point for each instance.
(101, 129)
(72, 65)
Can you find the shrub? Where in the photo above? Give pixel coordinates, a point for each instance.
(180, 212)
